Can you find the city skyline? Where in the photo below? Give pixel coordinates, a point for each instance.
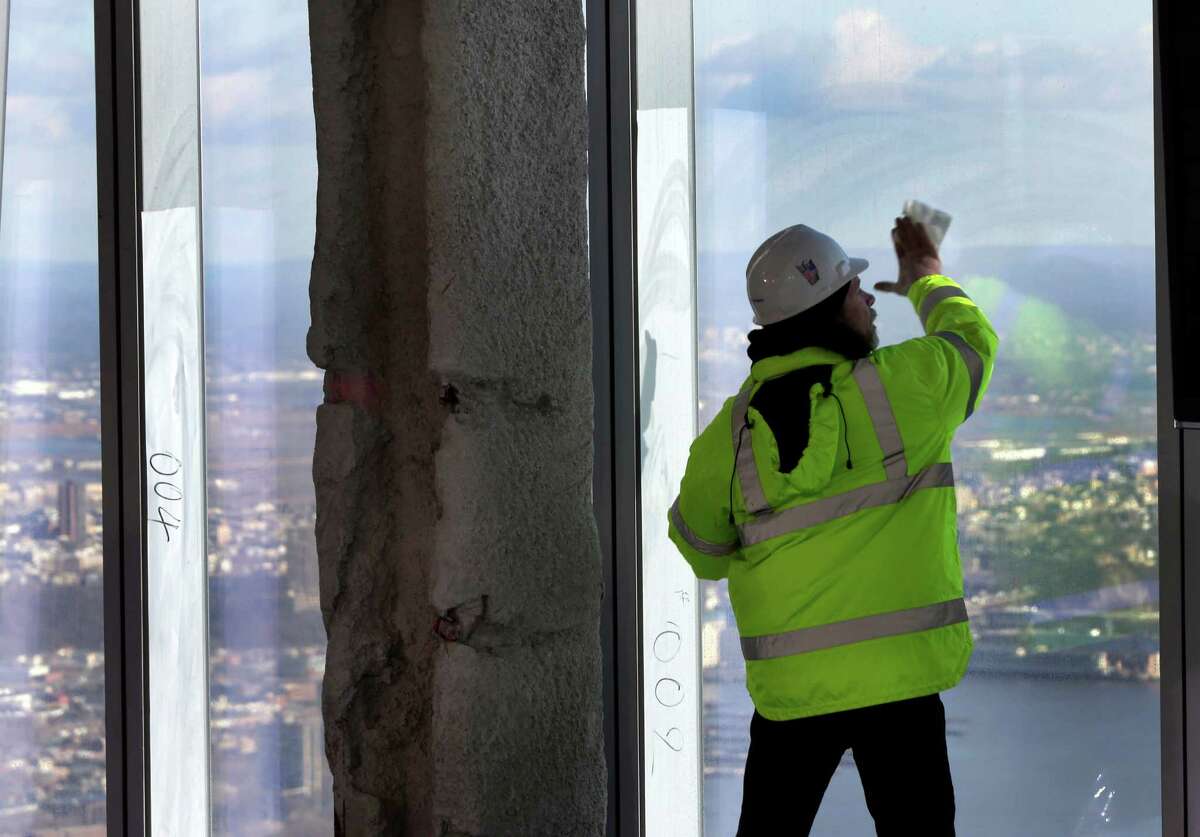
(1000, 478)
(831, 118)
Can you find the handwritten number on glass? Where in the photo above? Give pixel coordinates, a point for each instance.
(174, 493)
(667, 645)
(166, 465)
(668, 691)
(158, 457)
(673, 739)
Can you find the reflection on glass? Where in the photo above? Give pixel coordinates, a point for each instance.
(667, 355)
(52, 749)
(1035, 131)
(173, 429)
(266, 637)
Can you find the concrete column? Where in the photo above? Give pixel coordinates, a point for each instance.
(460, 568)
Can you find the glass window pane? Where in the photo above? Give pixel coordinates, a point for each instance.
(667, 355)
(173, 456)
(52, 755)
(1033, 127)
(266, 636)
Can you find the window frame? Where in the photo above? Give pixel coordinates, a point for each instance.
(617, 464)
(119, 199)
(1178, 443)
(612, 105)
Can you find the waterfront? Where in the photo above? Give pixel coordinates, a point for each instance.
(1035, 757)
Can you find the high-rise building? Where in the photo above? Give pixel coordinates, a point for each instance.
(304, 769)
(710, 641)
(72, 514)
(302, 575)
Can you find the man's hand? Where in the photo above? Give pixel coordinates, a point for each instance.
(916, 254)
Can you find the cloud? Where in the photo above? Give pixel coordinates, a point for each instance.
(51, 47)
(259, 136)
(256, 105)
(870, 53)
(227, 94)
(780, 71)
(37, 119)
(51, 79)
(257, 76)
(864, 61)
(1040, 74)
(48, 209)
(257, 110)
(263, 33)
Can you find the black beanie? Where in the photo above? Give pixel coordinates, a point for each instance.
(822, 325)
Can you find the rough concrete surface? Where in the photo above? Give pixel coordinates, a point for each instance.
(450, 310)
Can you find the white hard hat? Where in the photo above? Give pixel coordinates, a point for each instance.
(794, 270)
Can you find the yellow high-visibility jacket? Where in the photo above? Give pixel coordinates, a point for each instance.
(845, 582)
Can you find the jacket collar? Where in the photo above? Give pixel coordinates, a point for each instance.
(776, 365)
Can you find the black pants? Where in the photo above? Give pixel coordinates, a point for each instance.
(900, 751)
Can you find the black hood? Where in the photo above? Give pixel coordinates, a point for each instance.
(821, 326)
(784, 402)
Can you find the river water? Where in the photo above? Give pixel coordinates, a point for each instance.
(1030, 757)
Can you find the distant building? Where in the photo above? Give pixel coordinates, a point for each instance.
(302, 576)
(710, 642)
(303, 769)
(72, 514)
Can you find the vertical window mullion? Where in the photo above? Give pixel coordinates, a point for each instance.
(1177, 401)
(173, 404)
(664, 335)
(118, 157)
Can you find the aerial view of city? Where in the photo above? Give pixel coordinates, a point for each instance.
(265, 636)
(266, 640)
(1031, 126)
(1035, 132)
(1057, 488)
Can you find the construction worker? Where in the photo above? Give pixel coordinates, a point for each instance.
(823, 491)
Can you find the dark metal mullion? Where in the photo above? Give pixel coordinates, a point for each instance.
(1178, 449)
(622, 143)
(119, 203)
(615, 373)
(602, 382)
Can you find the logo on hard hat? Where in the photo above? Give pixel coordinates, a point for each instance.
(809, 270)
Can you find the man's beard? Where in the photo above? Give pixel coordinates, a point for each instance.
(853, 343)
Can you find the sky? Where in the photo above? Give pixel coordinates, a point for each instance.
(1031, 123)
(259, 158)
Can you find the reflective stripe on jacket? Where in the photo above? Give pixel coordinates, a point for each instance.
(845, 581)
